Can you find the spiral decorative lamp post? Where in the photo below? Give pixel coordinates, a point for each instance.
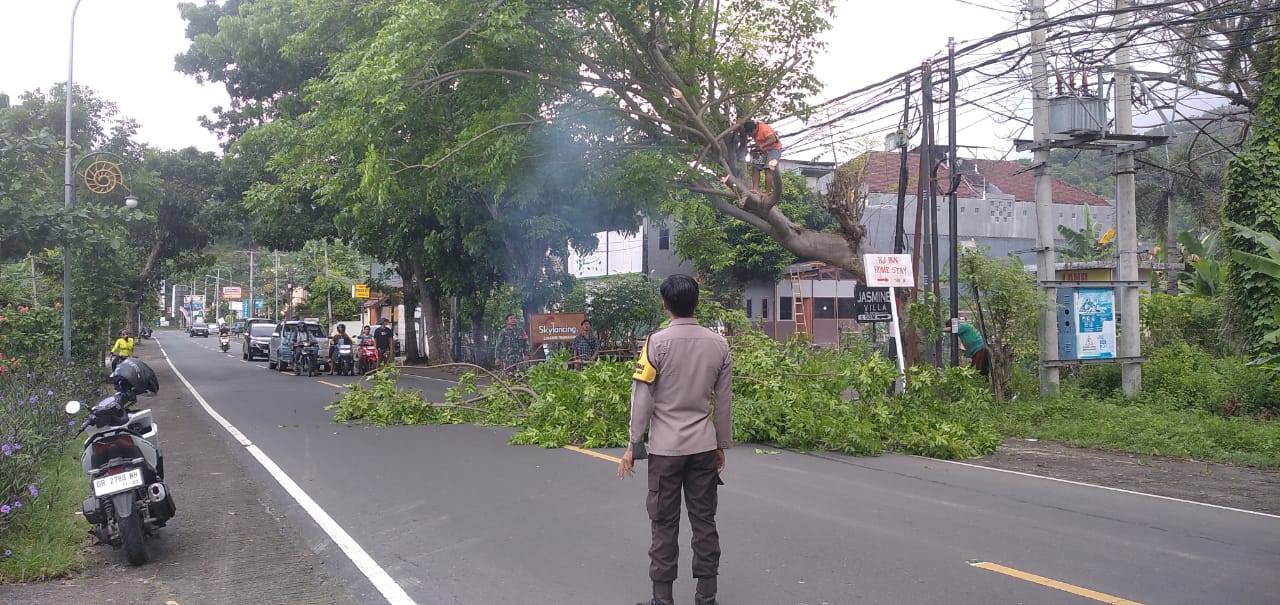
(103, 174)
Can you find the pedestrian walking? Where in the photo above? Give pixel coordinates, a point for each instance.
(512, 346)
(586, 347)
(682, 369)
(383, 337)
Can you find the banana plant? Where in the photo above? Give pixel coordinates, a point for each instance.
(1203, 273)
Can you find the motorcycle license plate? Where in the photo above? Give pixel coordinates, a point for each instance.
(112, 484)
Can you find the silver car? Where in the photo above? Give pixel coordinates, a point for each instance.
(256, 340)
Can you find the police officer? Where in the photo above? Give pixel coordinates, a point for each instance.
(681, 370)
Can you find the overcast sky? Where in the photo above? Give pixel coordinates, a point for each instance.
(125, 51)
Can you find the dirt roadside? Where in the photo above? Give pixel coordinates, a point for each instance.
(225, 546)
(1209, 482)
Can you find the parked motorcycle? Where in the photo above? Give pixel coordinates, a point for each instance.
(305, 358)
(129, 499)
(145, 332)
(224, 341)
(344, 360)
(368, 360)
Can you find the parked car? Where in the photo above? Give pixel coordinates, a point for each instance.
(255, 340)
(280, 353)
(200, 329)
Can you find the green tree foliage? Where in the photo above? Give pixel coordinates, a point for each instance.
(1252, 201)
(1009, 301)
(727, 253)
(622, 308)
(790, 396)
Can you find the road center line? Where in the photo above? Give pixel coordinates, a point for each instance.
(1055, 584)
(593, 454)
(392, 592)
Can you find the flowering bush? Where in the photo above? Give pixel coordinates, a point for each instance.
(34, 428)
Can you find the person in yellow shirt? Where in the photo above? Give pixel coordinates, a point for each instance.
(122, 349)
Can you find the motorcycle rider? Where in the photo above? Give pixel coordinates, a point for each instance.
(300, 340)
(339, 338)
(122, 349)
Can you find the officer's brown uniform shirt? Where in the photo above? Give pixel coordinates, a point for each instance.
(681, 370)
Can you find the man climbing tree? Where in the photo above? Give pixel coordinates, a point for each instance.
(765, 154)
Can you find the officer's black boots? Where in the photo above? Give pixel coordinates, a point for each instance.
(706, 594)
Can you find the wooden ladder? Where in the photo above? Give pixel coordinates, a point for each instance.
(797, 305)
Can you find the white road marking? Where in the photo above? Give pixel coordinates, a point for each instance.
(402, 375)
(392, 592)
(1112, 489)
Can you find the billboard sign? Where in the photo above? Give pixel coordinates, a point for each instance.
(232, 293)
(359, 290)
(555, 327)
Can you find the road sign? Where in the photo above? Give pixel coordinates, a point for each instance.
(359, 290)
(872, 305)
(892, 270)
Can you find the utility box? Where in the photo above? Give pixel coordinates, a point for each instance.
(1074, 115)
(1086, 323)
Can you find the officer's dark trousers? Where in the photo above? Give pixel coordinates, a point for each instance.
(695, 476)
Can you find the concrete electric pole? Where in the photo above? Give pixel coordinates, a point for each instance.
(1046, 270)
(1126, 213)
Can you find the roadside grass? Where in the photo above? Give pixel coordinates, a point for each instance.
(1141, 427)
(48, 540)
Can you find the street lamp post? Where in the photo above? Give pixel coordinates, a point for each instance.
(68, 187)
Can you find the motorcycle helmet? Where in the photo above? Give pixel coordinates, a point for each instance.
(342, 328)
(124, 333)
(134, 377)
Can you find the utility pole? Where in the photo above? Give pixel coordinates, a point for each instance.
(1127, 216)
(328, 292)
(1046, 264)
(252, 312)
(899, 235)
(953, 221)
(935, 262)
(275, 289)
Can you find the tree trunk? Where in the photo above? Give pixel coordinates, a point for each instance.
(408, 278)
(437, 339)
(140, 285)
(480, 352)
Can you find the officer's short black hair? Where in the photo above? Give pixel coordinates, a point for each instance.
(509, 316)
(585, 322)
(680, 292)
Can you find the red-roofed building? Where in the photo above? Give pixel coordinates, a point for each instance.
(996, 203)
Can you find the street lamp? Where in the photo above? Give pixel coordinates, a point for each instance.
(105, 177)
(100, 176)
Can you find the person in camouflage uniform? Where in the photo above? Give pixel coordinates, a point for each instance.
(512, 346)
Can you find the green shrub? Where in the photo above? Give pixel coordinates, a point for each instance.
(1198, 320)
(1136, 425)
(1182, 376)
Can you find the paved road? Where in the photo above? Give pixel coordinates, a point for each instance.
(454, 515)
